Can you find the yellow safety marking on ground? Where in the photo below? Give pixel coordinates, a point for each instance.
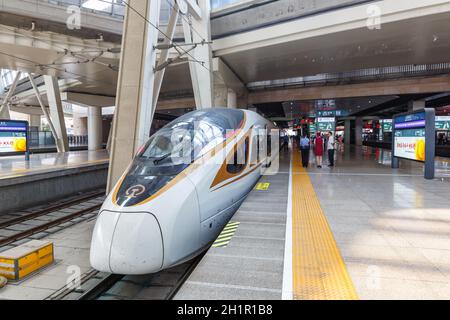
(319, 272)
(262, 186)
(225, 236)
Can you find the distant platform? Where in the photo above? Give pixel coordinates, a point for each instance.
(16, 166)
(49, 176)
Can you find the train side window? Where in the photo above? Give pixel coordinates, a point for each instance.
(269, 144)
(240, 158)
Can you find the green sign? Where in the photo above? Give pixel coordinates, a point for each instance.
(442, 123)
(326, 124)
(387, 125)
(312, 129)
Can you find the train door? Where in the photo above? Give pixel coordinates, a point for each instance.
(226, 190)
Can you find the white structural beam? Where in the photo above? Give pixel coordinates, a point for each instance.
(414, 105)
(46, 113)
(200, 63)
(4, 108)
(94, 128)
(194, 9)
(164, 53)
(226, 76)
(351, 18)
(227, 85)
(56, 112)
(134, 99)
(34, 120)
(88, 100)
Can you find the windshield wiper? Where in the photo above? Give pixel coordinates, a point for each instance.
(161, 158)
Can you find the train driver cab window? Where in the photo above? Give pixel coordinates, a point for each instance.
(239, 160)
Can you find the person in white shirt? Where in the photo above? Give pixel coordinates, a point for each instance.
(330, 147)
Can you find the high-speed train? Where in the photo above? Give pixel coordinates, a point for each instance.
(180, 190)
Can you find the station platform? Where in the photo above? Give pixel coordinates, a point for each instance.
(16, 166)
(360, 230)
(49, 176)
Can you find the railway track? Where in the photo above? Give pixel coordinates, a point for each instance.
(95, 285)
(29, 224)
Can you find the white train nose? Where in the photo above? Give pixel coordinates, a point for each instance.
(127, 243)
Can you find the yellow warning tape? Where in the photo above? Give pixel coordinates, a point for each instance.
(319, 272)
(225, 236)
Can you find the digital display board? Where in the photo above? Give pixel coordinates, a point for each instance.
(325, 124)
(13, 136)
(409, 136)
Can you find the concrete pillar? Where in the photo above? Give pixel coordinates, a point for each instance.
(4, 107)
(201, 75)
(347, 132)
(34, 120)
(220, 95)
(358, 131)
(94, 128)
(80, 125)
(416, 105)
(134, 98)
(56, 112)
(231, 99)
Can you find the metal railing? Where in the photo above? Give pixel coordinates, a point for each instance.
(372, 74)
(44, 139)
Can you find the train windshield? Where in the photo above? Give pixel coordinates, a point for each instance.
(179, 143)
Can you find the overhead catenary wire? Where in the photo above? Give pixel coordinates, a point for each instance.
(202, 63)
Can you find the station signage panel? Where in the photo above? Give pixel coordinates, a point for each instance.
(414, 139)
(442, 123)
(312, 129)
(386, 125)
(324, 124)
(13, 136)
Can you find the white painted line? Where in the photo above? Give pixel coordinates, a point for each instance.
(287, 291)
(231, 286)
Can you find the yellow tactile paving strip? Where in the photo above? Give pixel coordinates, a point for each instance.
(319, 272)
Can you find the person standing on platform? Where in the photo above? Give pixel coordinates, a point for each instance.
(318, 149)
(330, 147)
(304, 149)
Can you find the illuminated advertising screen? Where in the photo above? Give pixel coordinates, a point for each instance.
(13, 136)
(409, 137)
